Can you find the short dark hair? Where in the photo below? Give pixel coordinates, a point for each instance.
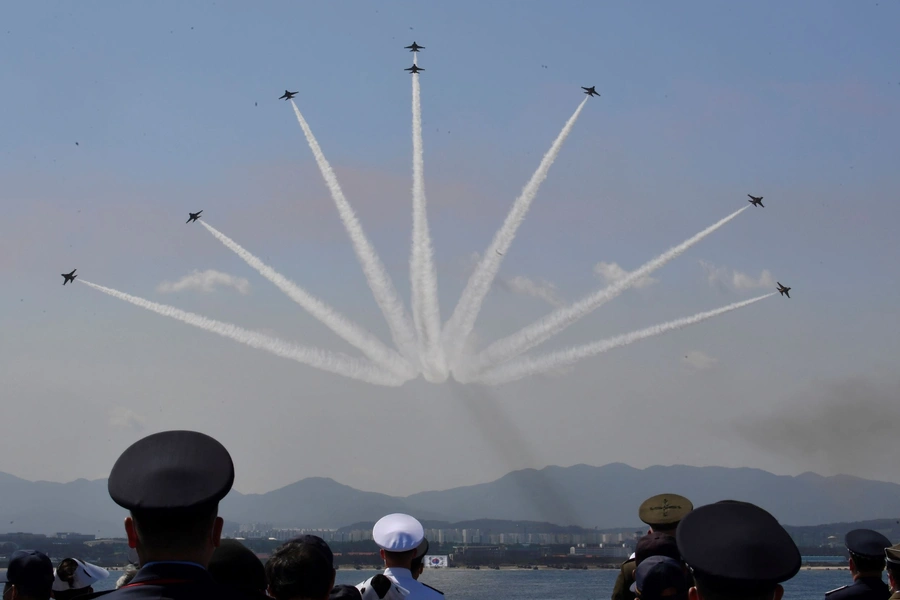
(865, 564)
(298, 570)
(409, 555)
(175, 531)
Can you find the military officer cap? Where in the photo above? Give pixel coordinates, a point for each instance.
(892, 554)
(866, 543)
(737, 546)
(398, 532)
(171, 472)
(664, 510)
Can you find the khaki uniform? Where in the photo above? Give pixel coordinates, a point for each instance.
(622, 589)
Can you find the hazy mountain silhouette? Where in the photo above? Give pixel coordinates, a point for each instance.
(604, 497)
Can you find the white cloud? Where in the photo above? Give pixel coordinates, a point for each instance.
(520, 284)
(725, 278)
(699, 360)
(612, 272)
(205, 281)
(121, 417)
(543, 290)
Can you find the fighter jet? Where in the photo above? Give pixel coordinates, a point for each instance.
(69, 276)
(590, 91)
(414, 69)
(414, 48)
(193, 216)
(287, 95)
(784, 290)
(755, 201)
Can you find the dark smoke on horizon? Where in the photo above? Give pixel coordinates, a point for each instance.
(843, 427)
(482, 406)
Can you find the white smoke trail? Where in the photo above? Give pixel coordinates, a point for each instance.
(526, 366)
(425, 306)
(379, 281)
(350, 332)
(333, 362)
(550, 325)
(462, 321)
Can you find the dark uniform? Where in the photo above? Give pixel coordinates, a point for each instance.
(171, 474)
(663, 511)
(864, 544)
(736, 548)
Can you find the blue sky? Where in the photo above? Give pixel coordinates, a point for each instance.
(174, 108)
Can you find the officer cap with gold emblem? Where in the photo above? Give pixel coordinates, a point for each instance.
(736, 546)
(664, 511)
(171, 472)
(866, 543)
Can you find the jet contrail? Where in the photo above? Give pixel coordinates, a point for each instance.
(526, 366)
(423, 276)
(379, 281)
(333, 362)
(461, 322)
(555, 322)
(350, 332)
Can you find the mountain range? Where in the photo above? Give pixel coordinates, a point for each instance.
(587, 496)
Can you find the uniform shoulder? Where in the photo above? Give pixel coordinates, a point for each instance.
(830, 592)
(431, 588)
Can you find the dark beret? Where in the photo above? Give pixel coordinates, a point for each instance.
(664, 510)
(656, 544)
(171, 471)
(866, 543)
(737, 546)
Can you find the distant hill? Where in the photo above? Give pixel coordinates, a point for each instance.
(606, 497)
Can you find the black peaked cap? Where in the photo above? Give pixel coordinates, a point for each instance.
(866, 543)
(736, 545)
(171, 471)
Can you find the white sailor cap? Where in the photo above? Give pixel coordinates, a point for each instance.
(398, 532)
(85, 575)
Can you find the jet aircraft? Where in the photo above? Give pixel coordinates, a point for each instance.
(193, 216)
(287, 95)
(69, 276)
(756, 201)
(414, 48)
(784, 290)
(414, 69)
(590, 91)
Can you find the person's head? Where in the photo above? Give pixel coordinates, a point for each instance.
(301, 570)
(418, 562)
(656, 544)
(172, 482)
(398, 535)
(892, 558)
(235, 566)
(866, 549)
(663, 512)
(29, 576)
(660, 578)
(75, 577)
(736, 551)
